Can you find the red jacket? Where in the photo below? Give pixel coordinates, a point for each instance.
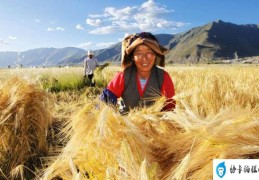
(116, 86)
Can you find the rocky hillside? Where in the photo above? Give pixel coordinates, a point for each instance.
(215, 41)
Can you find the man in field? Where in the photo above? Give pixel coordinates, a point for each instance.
(90, 64)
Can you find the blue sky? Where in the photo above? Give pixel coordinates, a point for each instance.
(96, 24)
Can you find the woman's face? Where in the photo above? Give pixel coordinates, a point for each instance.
(144, 58)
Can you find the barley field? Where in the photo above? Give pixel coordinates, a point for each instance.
(53, 126)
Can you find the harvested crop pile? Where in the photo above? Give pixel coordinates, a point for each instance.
(148, 144)
(25, 115)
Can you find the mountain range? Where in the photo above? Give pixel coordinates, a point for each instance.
(211, 42)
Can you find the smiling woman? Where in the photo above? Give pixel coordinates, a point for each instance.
(141, 82)
(144, 59)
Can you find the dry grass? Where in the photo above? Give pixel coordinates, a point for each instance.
(26, 113)
(207, 90)
(116, 145)
(156, 145)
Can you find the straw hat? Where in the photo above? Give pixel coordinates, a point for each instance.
(90, 52)
(134, 40)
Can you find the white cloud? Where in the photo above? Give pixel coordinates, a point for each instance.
(180, 24)
(105, 30)
(12, 37)
(119, 14)
(149, 16)
(94, 22)
(95, 16)
(91, 45)
(154, 8)
(105, 45)
(79, 27)
(60, 29)
(55, 29)
(50, 29)
(126, 26)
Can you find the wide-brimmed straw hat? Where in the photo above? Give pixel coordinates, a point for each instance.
(134, 40)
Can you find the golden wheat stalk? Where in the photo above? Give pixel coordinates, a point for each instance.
(26, 113)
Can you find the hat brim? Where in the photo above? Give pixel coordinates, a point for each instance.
(150, 43)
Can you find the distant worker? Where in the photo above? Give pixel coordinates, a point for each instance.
(90, 64)
(141, 81)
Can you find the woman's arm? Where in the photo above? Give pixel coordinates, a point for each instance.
(114, 89)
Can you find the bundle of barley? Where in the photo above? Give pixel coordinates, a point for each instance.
(103, 144)
(25, 115)
(148, 144)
